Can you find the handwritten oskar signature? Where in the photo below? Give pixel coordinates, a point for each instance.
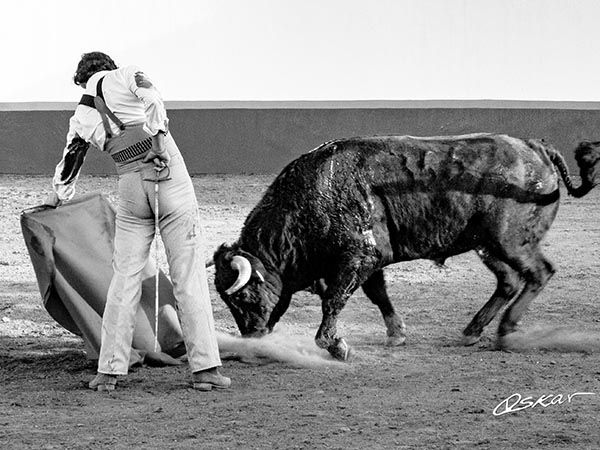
(516, 402)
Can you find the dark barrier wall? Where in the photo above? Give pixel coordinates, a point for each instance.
(264, 139)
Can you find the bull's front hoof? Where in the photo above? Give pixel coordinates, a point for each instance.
(507, 327)
(468, 340)
(395, 341)
(340, 350)
(503, 342)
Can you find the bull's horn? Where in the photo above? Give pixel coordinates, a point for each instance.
(209, 263)
(260, 276)
(244, 270)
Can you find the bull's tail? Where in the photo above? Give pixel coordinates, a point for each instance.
(587, 156)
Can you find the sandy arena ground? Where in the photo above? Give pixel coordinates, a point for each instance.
(430, 394)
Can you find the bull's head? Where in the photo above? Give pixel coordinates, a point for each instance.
(246, 288)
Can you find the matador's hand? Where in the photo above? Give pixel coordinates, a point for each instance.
(52, 200)
(158, 154)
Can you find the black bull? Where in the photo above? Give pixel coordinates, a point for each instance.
(336, 216)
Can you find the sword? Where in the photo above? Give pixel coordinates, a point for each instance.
(157, 179)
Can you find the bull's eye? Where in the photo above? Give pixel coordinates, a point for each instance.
(241, 295)
(248, 297)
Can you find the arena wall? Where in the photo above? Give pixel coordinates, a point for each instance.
(262, 137)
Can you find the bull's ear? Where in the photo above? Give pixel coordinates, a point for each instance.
(224, 254)
(223, 248)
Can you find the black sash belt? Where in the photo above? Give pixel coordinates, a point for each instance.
(133, 151)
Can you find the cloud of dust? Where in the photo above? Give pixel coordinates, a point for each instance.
(279, 346)
(544, 337)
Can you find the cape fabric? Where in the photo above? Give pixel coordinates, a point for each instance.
(71, 251)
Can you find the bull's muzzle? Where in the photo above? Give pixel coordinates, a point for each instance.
(258, 333)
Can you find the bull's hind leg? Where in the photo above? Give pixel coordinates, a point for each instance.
(507, 287)
(374, 288)
(536, 271)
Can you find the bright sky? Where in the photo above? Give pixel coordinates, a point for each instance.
(310, 49)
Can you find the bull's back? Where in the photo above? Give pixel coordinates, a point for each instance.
(414, 197)
(479, 164)
(435, 197)
(499, 166)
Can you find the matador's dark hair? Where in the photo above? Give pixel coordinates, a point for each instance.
(90, 64)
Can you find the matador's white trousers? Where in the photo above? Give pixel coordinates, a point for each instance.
(182, 236)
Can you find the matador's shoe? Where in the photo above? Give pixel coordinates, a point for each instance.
(206, 380)
(103, 382)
